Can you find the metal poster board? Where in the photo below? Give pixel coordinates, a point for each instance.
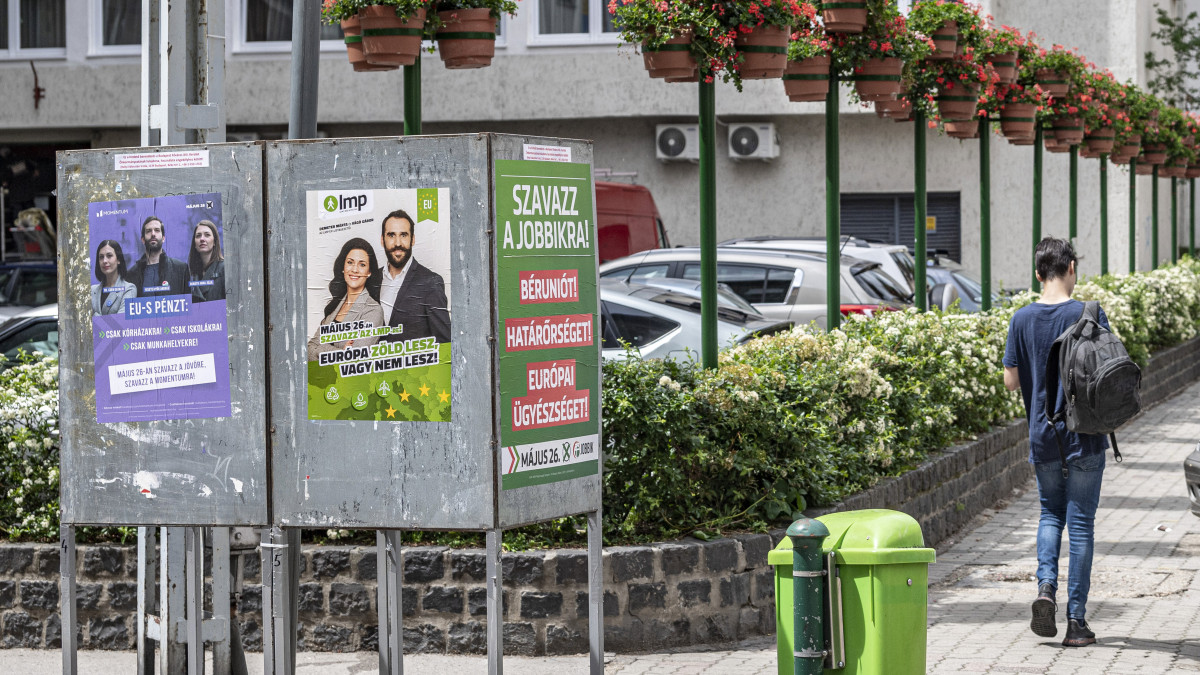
(387, 409)
(162, 374)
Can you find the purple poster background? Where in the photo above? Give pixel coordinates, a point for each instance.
(162, 356)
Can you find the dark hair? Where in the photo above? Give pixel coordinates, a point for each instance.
(150, 219)
(398, 213)
(195, 264)
(120, 259)
(1053, 258)
(337, 285)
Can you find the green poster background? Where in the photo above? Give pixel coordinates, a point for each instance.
(510, 263)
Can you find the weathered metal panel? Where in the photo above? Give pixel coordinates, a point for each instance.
(203, 471)
(379, 473)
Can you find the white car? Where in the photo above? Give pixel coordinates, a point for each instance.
(893, 259)
(29, 331)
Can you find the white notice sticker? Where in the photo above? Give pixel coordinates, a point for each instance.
(182, 371)
(186, 159)
(545, 153)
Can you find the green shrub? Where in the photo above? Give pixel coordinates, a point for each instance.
(29, 444)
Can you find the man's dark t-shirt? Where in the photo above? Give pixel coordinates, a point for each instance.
(1031, 333)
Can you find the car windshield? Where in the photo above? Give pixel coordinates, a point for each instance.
(971, 286)
(878, 284)
(907, 267)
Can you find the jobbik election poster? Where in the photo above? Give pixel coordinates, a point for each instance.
(160, 334)
(378, 305)
(549, 358)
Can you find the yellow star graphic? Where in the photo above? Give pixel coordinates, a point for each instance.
(424, 391)
(444, 396)
(404, 396)
(391, 412)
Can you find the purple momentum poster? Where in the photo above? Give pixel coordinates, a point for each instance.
(158, 308)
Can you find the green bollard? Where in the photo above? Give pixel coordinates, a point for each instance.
(807, 596)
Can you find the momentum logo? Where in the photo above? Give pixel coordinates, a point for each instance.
(346, 203)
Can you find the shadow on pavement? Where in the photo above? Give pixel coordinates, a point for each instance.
(1168, 646)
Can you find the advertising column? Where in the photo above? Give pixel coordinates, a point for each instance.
(549, 358)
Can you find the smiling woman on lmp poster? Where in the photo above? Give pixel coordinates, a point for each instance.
(354, 292)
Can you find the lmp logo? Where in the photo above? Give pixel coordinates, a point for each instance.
(339, 203)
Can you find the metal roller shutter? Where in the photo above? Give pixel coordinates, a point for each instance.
(888, 217)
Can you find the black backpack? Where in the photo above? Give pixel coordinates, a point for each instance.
(1102, 384)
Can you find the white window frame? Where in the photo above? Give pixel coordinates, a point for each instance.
(14, 51)
(96, 46)
(235, 23)
(594, 36)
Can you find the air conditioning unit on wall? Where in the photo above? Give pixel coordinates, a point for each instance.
(753, 141)
(677, 142)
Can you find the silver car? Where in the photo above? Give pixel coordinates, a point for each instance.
(895, 259)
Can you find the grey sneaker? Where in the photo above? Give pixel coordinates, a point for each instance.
(1044, 609)
(1078, 634)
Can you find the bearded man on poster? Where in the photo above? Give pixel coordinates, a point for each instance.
(156, 274)
(412, 295)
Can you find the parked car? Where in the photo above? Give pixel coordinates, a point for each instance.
(781, 285)
(895, 259)
(627, 220)
(29, 331)
(27, 284)
(943, 270)
(665, 323)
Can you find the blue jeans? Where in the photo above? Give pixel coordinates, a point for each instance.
(1071, 503)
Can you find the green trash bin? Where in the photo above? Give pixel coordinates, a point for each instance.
(882, 571)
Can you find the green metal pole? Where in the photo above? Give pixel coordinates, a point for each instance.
(708, 224)
(1073, 196)
(1192, 216)
(808, 604)
(833, 208)
(1133, 215)
(1104, 213)
(1037, 204)
(1154, 218)
(919, 206)
(1174, 221)
(985, 210)
(412, 98)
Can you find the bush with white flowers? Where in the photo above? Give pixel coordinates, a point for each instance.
(29, 444)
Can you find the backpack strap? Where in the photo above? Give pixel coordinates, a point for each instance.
(1053, 415)
(1116, 451)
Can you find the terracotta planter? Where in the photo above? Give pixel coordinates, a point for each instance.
(1006, 67)
(1173, 171)
(1087, 153)
(1068, 130)
(1017, 120)
(672, 59)
(694, 77)
(1126, 152)
(1100, 141)
(1144, 169)
(1054, 82)
(844, 17)
(1119, 158)
(389, 40)
(894, 109)
(807, 80)
(764, 52)
(958, 103)
(352, 32)
(1189, 141)
(1193, 171)
(945, 41)
(1021, 140)
(1153, 153)
(467, 38)
(962, 129)
(1054, 145)
(878, 79)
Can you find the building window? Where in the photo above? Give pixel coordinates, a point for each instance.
(266, 26)
(115, 27)
(33, 28)
(573, 22)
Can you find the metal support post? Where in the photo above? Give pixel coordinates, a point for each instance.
(919, 207)
(495, 602)
(807, 598)
(595, 593)
(147, 596)
(389, 601)
(222, 603)
(172, 600)
(1073, 197)
(412, 98)
(1037, 206)
(194, 598)
(306, 51)
(1133, 215)
(708, 225)
(1174, 221)
(1192, 217)
(1154, 217)
(278, 629)
(67, 608)
(833, 207)
(985, 211)
(1104, 213)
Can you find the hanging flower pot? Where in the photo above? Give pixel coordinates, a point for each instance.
(878, 79)
(1153, 153)
(1193, 171)
(388, 39)
(1132, 148)
(1086, 152)
(958, 103)
(1053, 82)
(962, 129)
(1144, 169)
(694, 77)
(672, 59)
(844, 17)
(467, 38)
(1068, 130)
(945, 41)
(807, 80)
(1021, 140)
(1005, 66)
(1054, 145)
(352, 35)
(894, 109)
(1189, 141)
(764, 52)
(1100, 141)
(1173, 170)
(1017, 120)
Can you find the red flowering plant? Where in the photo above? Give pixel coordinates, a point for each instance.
(928, 16)
(1066, 62)
(1003, 40)
(1171, 127)
(808, 36)
(885, 36)
(993, 100)
(1099, 99)
(652, 22)
(337, 11)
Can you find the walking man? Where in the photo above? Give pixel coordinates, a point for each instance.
(1068, 501)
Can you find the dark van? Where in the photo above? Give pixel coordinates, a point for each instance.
(627, 220)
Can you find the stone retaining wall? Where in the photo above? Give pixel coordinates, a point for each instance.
(656, 596)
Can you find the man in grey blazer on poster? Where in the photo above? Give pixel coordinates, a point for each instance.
(412, 295)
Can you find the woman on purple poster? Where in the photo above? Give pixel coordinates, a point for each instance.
(108, 296)
(206, 263)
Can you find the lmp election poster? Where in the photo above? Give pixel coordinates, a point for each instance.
(378, 309)
(160, 337)
(549, 359)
